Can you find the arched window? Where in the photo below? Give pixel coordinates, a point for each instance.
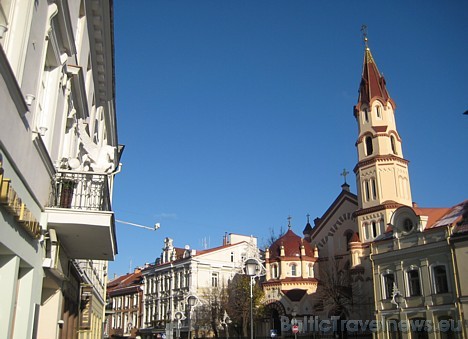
(374, 229)
(367, 190)
(392, 141)
(366, 115)
(369, 146)
(374, 189)
(379, 112)
(274, 271)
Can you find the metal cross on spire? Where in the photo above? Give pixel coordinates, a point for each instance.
(344, 174)
(289, 221)
(364, 33)
(308, 216)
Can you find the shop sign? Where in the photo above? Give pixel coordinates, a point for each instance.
(15, 206)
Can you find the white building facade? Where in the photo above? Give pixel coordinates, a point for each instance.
(58, 157)
(181, 273)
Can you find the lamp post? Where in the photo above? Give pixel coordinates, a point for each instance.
(191, 301)
(251, 269)
(178, 316)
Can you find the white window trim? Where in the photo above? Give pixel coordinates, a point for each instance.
(432, 276)
(383, 285)
(407, 282)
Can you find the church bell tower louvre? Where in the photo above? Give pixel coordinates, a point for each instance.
(382, 177)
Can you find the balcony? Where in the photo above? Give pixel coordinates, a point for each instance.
(79, 210)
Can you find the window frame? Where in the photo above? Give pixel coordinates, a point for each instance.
(293, 270)
(385, 292)
(434, 280)
(410, 282)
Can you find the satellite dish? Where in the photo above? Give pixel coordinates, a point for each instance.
(74, 163)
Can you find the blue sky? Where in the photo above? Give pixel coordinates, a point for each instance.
(236, 114)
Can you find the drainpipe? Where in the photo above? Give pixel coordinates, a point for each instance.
(456, 277)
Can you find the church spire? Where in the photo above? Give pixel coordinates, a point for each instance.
(381, 171)
(373, 85)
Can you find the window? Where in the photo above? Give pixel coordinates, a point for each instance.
(214, 279)
(367, 190)
(374, 189)
(392, 142)
(293, 270)
(393, 329)
(369, 146)
(439, 274)
(419, 328)
(274, 271)
(448, 327)
(414, 285)
(388, 280)
(366, 115)
(374, 229)
(379, 112)
(232, 256)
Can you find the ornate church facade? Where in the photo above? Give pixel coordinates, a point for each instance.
(375, 256)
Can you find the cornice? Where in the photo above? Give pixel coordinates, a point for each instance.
(379, 158)
(385, 206)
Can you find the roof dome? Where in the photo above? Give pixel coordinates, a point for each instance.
(292, 246)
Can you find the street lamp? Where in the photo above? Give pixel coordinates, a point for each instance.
(251, 269)
(191, 301)
(154, 228)
(178, 316)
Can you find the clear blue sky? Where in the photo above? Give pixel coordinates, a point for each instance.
(236, 114)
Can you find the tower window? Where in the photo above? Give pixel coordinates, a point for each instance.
(369, 146)
(392, 141)
(379, 112)
(366, 115)
(374, 229)
(374, 189)
(366, 188)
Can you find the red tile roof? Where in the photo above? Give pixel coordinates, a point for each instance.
(292, 246)
(125, 283)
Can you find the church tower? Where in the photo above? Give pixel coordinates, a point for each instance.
(382, 177)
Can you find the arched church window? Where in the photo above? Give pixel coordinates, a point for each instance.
(379, 112)
(369, 146)
(374, 229)
(366, 115)
(367, 190)
(392, 141)
(374, 189)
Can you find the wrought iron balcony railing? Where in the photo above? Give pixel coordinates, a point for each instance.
(80, 190)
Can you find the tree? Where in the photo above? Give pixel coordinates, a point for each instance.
(238, 302)
(273, 236)
(334, 292)
(210, 313)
